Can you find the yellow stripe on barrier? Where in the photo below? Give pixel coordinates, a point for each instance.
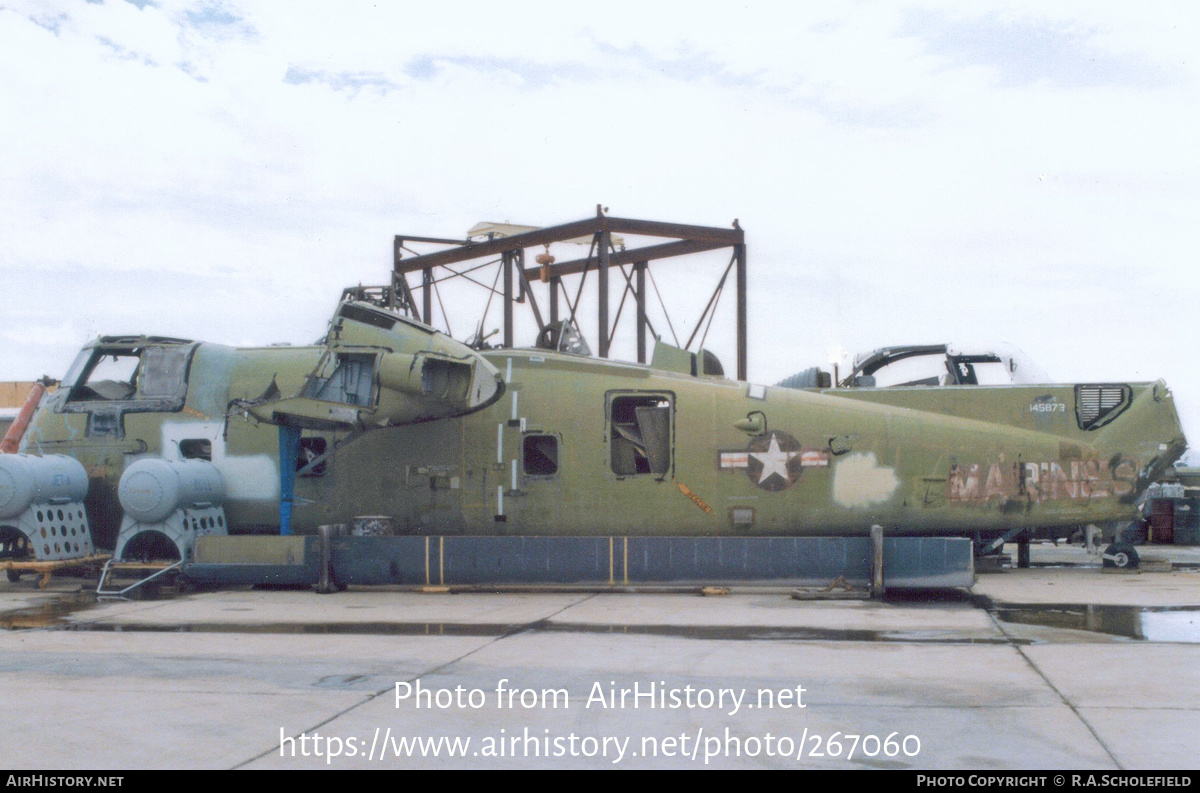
(611, 576)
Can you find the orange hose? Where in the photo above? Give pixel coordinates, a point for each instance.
(12, 438)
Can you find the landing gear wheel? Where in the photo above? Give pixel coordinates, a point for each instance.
(1121, 555)
(13, 575)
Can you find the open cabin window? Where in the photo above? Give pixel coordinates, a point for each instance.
(109, 376)
(540, 454)
(313, 456)
(156, 376)
(639, 435)
(196, 449)
(116, 377)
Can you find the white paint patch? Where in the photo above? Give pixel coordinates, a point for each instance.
(860, 481)
(248, 477)
(251, 477)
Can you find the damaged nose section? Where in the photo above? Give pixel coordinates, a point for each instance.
(380, 370)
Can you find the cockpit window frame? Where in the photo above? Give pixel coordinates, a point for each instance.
(90, 357)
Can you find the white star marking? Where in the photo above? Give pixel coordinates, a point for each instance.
(774, 461)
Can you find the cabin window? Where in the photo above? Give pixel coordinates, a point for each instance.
(540, 453)
(709, 364)
(110, 377)
(196, 449)
(914, 371)
(164, 372)
(312, 458)
(639, 435)
(140, 378)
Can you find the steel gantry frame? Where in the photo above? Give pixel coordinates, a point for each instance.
(602, 256)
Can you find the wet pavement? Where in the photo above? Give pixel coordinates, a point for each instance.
(1064, 665)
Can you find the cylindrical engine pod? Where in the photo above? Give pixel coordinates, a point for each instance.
(151, 489)
(26, 479)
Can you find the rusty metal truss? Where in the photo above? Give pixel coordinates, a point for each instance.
(514, 279)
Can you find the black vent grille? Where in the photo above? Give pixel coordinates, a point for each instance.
(1097, 405)
(367, 316)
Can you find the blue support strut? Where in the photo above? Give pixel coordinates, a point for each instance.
(289, 448)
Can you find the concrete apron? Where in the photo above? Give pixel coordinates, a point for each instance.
(289, 679)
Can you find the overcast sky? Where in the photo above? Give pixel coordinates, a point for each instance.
(905, 172)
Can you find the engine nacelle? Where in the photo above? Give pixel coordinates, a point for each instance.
(153, 488)
(41, 507)
(168, 503)
(26, 480)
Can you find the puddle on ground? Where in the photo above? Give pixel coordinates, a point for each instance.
(1154, 624)
(1166, 624)
(771, 633)
(48, 614)
(700, 632)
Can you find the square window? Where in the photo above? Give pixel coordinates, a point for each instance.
(541, 455)
(640, 434)
(311, 449)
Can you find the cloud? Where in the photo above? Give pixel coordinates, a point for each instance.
(1024, 52)
(51, 22)
(123, 53)
(214, 18)
(687, 66)
(340, 81)
(528, 73)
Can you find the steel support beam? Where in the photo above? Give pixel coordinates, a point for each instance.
(739, 252)
(653, 228)
(604, 242)
(507, 264)
(639, 270)
(495, 247)
(704, 235)
(618, 258)
(427, 295)
(400, 240)
(519, 258)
